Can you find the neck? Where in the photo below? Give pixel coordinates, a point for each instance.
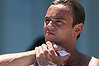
(71, 48)
(75, 57)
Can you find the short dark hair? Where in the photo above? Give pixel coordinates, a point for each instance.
(77, 9)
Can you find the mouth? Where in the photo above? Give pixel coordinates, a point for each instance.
(49, 33)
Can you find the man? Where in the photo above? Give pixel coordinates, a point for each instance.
(63, 24)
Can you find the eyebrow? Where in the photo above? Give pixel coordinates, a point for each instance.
(46, 17)
(54, 18)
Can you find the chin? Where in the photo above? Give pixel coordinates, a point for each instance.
(51, 40)
(48, 40)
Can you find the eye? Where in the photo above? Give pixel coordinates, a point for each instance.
(59, 22)
(47, 20)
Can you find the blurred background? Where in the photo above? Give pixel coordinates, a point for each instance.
(21, 23)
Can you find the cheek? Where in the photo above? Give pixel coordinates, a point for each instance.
(44, 27)
(62, 32)
(65, 33)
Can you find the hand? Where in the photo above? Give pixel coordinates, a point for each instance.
(46, 55)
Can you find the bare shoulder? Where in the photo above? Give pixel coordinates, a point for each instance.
(94, 62)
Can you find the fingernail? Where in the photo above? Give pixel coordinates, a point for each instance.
(55, 46)
(48, 42)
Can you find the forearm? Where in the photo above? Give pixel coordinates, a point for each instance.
(18, 59)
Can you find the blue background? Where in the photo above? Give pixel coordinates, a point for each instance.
(21, 22)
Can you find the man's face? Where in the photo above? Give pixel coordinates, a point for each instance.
(58, 24)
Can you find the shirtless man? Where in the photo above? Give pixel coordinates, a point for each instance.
(63, 23)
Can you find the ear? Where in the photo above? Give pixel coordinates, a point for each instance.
(78, 28)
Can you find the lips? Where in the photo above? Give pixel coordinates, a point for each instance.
(49, 33)
(49, 36)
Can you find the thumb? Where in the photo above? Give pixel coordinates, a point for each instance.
(57, 47)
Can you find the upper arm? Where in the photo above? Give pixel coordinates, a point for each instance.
(94, 62)
(97, 62)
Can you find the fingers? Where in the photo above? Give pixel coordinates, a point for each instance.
(39, 52)
(47, 52)
(51, 49)
(44, 48)
(55, 47)
(55, 57)
(42, 55)
(49, 45)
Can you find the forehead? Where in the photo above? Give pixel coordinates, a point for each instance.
(58, 11)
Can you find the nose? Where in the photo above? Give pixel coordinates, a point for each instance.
(50, 25)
